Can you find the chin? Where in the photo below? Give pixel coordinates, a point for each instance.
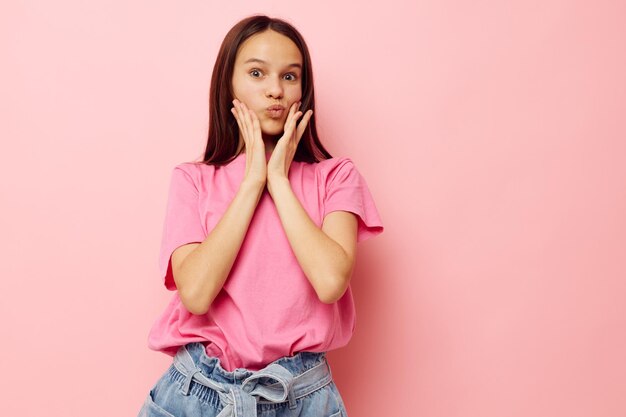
(273, 128)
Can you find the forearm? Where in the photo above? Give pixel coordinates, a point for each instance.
(323, 260)
(203, 272)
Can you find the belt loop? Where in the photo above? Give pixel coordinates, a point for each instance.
(292, 399)
(330, 372)
(187, 384)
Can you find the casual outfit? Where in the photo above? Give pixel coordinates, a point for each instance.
(261, 346)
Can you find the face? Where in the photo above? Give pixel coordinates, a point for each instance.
(267, 72)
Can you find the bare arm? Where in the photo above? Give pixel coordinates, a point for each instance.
(325, 255)
(200, 269)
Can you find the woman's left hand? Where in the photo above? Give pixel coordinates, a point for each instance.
(285, 149)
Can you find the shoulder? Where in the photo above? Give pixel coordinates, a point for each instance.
(330, 165)
(336, 170)
(191, 171)
(186, 176)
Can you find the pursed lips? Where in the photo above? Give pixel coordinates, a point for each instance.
(275, 111)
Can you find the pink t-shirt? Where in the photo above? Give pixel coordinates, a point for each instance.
(267, 308)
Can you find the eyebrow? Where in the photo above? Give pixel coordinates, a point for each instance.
(260, 61)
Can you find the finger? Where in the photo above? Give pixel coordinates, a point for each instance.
(290, 124)
(238, 112)
(237, 105)
(293, 113)
(241, 113)
(303, 124)
(248, 119)
(292, 110)
(256, 131)
(235, 109)
(256, 125)
(244, 128)
(237, 118)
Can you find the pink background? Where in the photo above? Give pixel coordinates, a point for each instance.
(492, 135)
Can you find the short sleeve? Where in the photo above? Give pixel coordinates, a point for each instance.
(347, 190)
(182, 223)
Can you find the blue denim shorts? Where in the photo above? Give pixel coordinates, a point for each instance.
(196, 385)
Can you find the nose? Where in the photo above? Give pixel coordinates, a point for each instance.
(274, 88)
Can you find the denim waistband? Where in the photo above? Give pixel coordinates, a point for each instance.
(283, 380)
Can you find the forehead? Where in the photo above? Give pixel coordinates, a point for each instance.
(271, 47)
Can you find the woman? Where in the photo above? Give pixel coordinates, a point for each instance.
(259, 241)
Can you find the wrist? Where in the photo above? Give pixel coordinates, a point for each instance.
(277, 178)
(253, 185)
(275, 182)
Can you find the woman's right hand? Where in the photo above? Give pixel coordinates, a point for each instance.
(250, 133)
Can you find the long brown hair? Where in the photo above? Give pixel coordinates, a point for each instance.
(223, 138)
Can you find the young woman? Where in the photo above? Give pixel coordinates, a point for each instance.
(259, 243)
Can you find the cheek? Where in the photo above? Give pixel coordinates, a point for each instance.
(294, 94)
(243, 88)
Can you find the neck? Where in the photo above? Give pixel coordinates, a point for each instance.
(268, 141)
(270, 144)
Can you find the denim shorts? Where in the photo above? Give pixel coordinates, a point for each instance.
(196, 385)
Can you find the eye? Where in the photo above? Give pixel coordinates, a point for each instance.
(255, 73)
(291, 76)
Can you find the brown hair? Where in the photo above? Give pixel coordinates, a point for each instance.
(223, 138)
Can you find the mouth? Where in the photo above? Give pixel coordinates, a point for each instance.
(275, 112)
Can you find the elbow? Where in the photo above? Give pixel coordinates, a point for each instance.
(329, 299)
(197, 309)
(194, 305)
(195, 297)
(194, 302)
(333, 291)
(332, 285)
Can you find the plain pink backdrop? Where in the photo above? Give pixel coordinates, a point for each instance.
(492, 135)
